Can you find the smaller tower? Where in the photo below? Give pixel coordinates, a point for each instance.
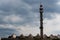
(41, 21)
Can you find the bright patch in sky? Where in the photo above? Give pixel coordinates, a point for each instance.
(13, 18)
(51, 26)
(58, 3)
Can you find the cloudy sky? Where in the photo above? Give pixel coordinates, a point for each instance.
(22, 17)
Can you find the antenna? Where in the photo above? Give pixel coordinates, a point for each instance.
(41, 21)
(40, 2)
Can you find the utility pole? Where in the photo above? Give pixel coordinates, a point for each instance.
(41, 21)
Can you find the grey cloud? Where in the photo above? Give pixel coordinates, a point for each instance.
(50, 5)
(18, 8)
(27, 9)
(13, 8)
(31, 1)
(4, 32)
